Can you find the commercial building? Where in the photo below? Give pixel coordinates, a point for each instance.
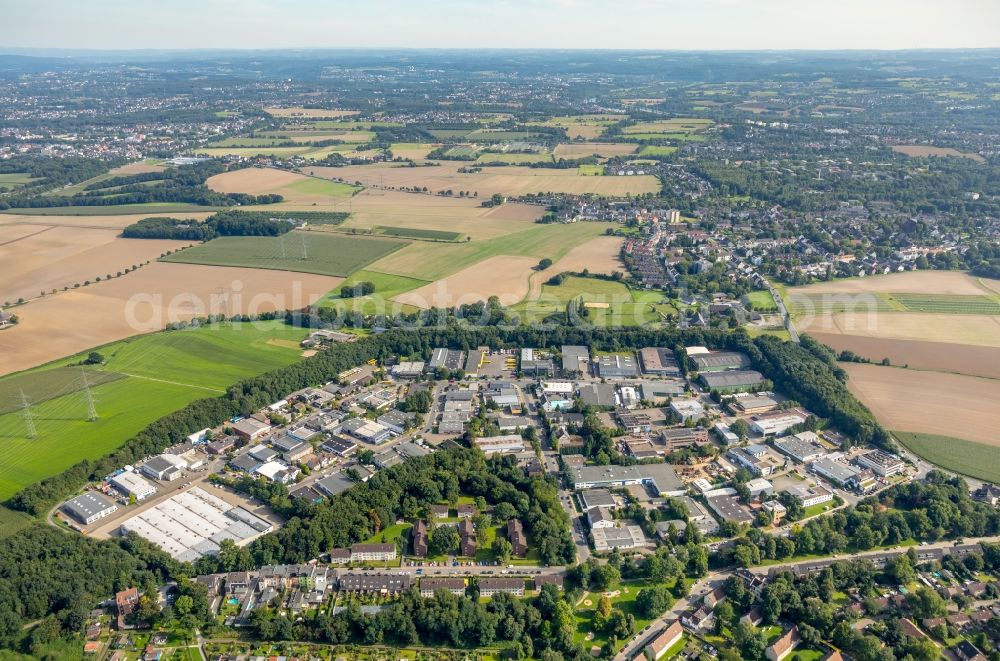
(89, 507)
(760, 487)
(194, 523)
(132, 485)
(397, 421)
(335, 484)
(683, 437)
(759, 463)
(591, 498)
(774, 425)
(500, 444)
(275, 471)
(658, 391)
(687, 409)
(250, 429)
(598, 394)
(729, 507)
(882, 463)
(408, 370)
(659, 361)
(835, 471)
(575, 359)
(340, 445)
(222, 445)
(661, 478)
(372, 552)
(532, 364)
(617, 366)
(624, 537)
(477, 357)
(755, 404)
(600, 517)
(732, 381)
(803, 447)
(164, 467)
(449, 359)
(810, 496)
(368, 431)
(719, 361)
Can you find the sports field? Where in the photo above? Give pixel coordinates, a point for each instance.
(303, 252)
(147, 377)
(976, 460)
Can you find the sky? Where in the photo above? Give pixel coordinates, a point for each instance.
(602, 24)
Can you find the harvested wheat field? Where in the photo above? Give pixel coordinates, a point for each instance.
(939, 356)
(140, 167)
(87, 222)
(146, 301)
(917, 282)
(309, 112)
(297, 189)
(584, 149)
(600, 255)
(981, 330)
(929, 402)
(510, 180)
(925, 150)
(465, 216)
(56, 257)
(502, 276)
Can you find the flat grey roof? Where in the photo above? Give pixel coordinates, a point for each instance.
(87, 505)
(732, 378)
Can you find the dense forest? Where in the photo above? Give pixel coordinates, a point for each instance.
(223, 223)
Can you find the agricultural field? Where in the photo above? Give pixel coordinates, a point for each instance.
(585, 127)
(576, 150)
(656, 150)
(503, 276)
(144, 378)
(40, 258)
(514, 159)
(415, 233)
(387, 287)
(12, 180)
(678, 126)
(607, 303)
(310, 112)
(510, 180)
(414, 151)
(297, 189)
(12, 521)
(929, 402)
(976, 460)
(303, 252)
(598, 255)
(949, 303)
(433, 261)
(925, 151)
(146, 210)
(939, 356)
(146, 301)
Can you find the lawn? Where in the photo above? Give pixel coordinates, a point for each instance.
(154, 375)
(761, 301)
(391, 535)
(623, 598)
(610, 302)
(39, 387)
(976, 460)
(304, 252)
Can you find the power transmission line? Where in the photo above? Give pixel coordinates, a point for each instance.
(89, 397)
(29, 418)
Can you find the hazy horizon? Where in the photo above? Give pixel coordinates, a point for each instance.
(670, 25)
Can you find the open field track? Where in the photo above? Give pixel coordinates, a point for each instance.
(145, 301)
(503, 276)
(929, 402)
(303, 252)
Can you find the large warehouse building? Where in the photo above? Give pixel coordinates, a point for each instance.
(194, 523)
(89, 507)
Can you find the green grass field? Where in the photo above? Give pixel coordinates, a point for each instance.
(461, 151)
(40, 387)
(806, 303)
(624, 306)
(976, 460)
(386, 286)
(656, 150)
(761, 301)
(316, 186)
(162, 372)
(948, 303)
(623, 600)
(416, 233)
(304, 252)
(590, 170)
(12, 521)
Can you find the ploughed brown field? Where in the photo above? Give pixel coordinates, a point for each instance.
(929, 402)
(941, 356)
(145, 301)
(39, 259)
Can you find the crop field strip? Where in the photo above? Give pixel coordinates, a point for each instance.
(829, 303)
(949, 303)
(416, 233)
(304, 252)
(38, 387)
(976, 460)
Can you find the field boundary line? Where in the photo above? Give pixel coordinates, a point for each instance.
(174, 383)
(28, 236)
